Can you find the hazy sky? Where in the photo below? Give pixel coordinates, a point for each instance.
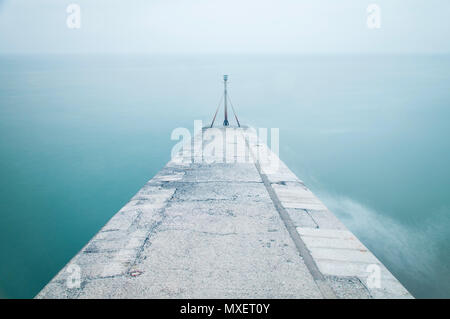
(237, 26)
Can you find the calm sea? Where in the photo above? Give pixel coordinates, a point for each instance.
(79, 135)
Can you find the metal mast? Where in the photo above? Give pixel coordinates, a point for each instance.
(225, 121)
(225, 98)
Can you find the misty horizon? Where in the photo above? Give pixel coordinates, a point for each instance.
(232, 27)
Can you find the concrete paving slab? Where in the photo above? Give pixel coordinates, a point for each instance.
(326, 219)
(348, 287)
(301, 218)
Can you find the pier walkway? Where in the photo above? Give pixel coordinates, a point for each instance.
(224, 219)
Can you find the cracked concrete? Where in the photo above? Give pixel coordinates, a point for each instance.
(224, 220)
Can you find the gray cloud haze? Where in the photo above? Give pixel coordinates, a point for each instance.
(232, 26)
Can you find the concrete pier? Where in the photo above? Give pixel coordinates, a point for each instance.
(225, 218)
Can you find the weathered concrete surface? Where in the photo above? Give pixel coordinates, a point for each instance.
(224, 219)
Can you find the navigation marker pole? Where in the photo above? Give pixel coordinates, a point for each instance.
(225, 121)
(225, 98)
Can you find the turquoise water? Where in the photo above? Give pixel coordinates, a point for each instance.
(79, 135)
